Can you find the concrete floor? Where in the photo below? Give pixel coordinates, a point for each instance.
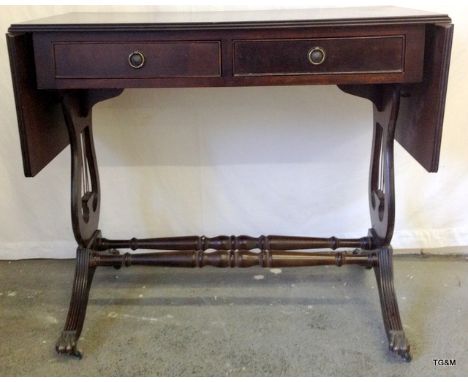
(322, 321)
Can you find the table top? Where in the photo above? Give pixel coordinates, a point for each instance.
(223, 19)
(91, 52)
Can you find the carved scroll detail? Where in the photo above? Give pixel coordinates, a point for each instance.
(85, 188)
(381, 173)
(386, 101)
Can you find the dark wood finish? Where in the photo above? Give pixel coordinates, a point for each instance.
(419, 128)
(421, 136)
(383, 268)
(396, 58)
(41, 124)
(386, 102)
(406, 42)
(84, 273)
(68, 340)
(342, 55)
(243, 242)
(161, 59)
(234, 259)
(381, 173)
(85, 188)
(283, 18)
(422, 104)
(386, 105)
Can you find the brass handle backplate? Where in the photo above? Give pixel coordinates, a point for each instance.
(316, 55)
(136, 59)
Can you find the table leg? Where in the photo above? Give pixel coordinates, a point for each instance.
(391, 315)
(373, 250)
(85, 203)
(382, 211)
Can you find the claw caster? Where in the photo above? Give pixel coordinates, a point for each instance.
(399, 344)
(66, 344)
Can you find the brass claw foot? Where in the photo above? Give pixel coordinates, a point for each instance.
(399, 344)
(67, 344)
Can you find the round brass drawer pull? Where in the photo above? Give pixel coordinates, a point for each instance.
(316, 55)
(136, 59)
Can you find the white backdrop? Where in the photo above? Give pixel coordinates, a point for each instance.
(258, 160)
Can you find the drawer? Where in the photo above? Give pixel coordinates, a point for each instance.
(323, 55)
(133, 60)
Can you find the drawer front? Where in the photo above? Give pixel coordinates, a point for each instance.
(315, 56)
(107, 60)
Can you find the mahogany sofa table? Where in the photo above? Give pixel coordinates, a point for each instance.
(63, 65)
